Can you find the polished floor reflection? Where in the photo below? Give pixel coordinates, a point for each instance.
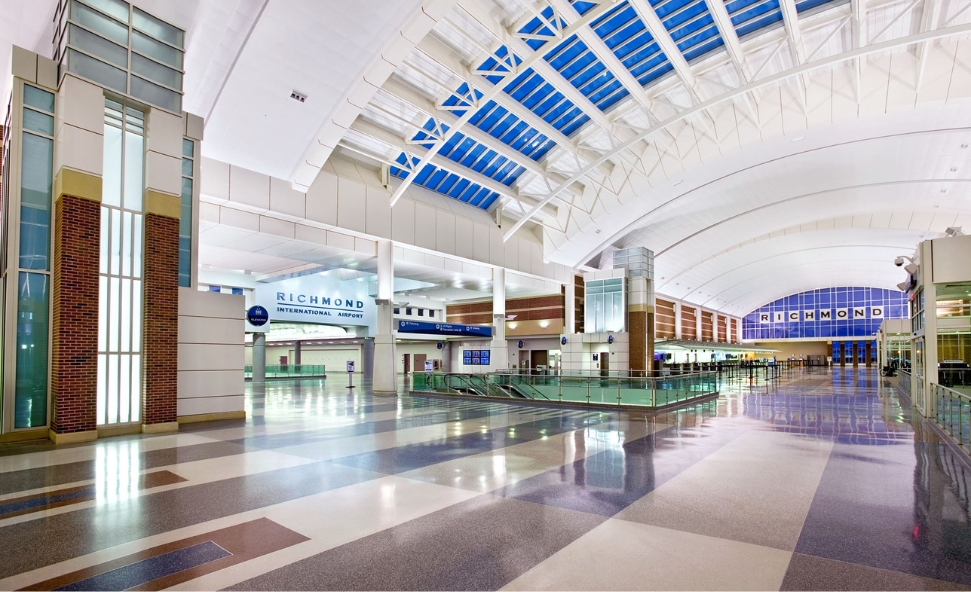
(819, 480)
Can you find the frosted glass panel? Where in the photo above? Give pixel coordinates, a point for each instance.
(134, 166)
(111, 181)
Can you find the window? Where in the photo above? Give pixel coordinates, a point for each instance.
(431, 313)
(397, 311)
(185, 218)
(408, 312)
(33, 278)
(421, 312)
(121, 48)
(120, 273)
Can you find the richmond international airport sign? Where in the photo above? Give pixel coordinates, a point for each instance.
(318, 299)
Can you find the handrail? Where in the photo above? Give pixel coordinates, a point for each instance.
(954, 414)
(650, 392)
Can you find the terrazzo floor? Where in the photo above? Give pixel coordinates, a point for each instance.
(820, 480)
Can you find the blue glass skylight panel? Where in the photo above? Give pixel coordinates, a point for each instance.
(584, 70)
(751, 15)
(690, 24)
(810, 4)
(447, 183)
(626, 35)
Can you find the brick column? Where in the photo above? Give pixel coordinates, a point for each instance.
(74, 343)
(160, 324)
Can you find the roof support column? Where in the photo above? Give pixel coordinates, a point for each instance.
(500, 349)
(385, 360)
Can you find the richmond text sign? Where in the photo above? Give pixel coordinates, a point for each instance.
(824, 314)
(318, 299)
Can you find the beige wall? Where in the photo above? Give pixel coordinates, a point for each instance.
(796, 349)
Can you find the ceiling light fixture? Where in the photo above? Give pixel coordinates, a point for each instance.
(798, 139)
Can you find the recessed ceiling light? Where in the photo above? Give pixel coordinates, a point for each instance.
(954, 169)
(943, 190)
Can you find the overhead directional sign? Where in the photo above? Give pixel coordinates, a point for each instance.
(444, 329)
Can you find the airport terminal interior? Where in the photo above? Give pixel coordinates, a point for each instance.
(485, 294)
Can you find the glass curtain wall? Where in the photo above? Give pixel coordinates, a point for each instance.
(34, 259)
(185, 221)
(605, 309)
(120, 273)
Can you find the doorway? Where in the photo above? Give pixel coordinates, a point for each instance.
(420, 362)
(604, 364)
(523, 359)
(407, 364)
(539, 357)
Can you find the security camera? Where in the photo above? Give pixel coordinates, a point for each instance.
(899, 261)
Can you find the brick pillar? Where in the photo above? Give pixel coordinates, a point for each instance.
(74, 344)
(637, 329)
(161, 324)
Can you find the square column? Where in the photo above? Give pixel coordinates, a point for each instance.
(74, 355)
(677, 320)
(385, 360)
(77, 251)
(499, 348)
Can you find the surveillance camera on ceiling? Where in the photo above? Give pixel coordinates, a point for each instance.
(954, 231)
(899, 261)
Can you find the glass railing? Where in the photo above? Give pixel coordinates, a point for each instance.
(290, 371)
(594, 390)
(954, 414)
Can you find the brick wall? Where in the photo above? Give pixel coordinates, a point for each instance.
(526, 309)
(74, 366)
(161, 320)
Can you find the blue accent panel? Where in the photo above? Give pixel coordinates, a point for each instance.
(892, 303)
(43, 500)
(444, 329)
(751, 15)
(146, 570)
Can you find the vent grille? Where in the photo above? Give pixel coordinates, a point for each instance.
(298, 96)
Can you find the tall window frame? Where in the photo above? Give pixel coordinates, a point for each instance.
(121, 266)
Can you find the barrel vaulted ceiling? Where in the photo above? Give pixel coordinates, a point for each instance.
(758, 147)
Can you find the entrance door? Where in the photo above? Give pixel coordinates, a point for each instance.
(539, 357)
(407, 364)
(420, 362)
(523, 359)
(604, 364)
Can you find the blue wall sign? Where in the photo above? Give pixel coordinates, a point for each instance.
(826, 313)
(257, 316)
(562, 340)
(440, 345)
(444, 329)
(610, 339)
(521, 344)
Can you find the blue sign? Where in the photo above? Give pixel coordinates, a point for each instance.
(440, 345)
(444, 329)
(562, 340)
(257, 316)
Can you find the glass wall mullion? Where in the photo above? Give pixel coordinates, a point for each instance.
(119, 356)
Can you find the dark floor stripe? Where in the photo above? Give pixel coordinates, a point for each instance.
(393, 461)
(23, 480)
(73, 534)
(480, 544)
(75, 495)
(167, 565)
(607, 482)
(146, 570)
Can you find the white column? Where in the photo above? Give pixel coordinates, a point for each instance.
(714, 327)
(677, 320)
(570, 308)
(385, 360)
(698, 314)
(499, 348)
(259, 358)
